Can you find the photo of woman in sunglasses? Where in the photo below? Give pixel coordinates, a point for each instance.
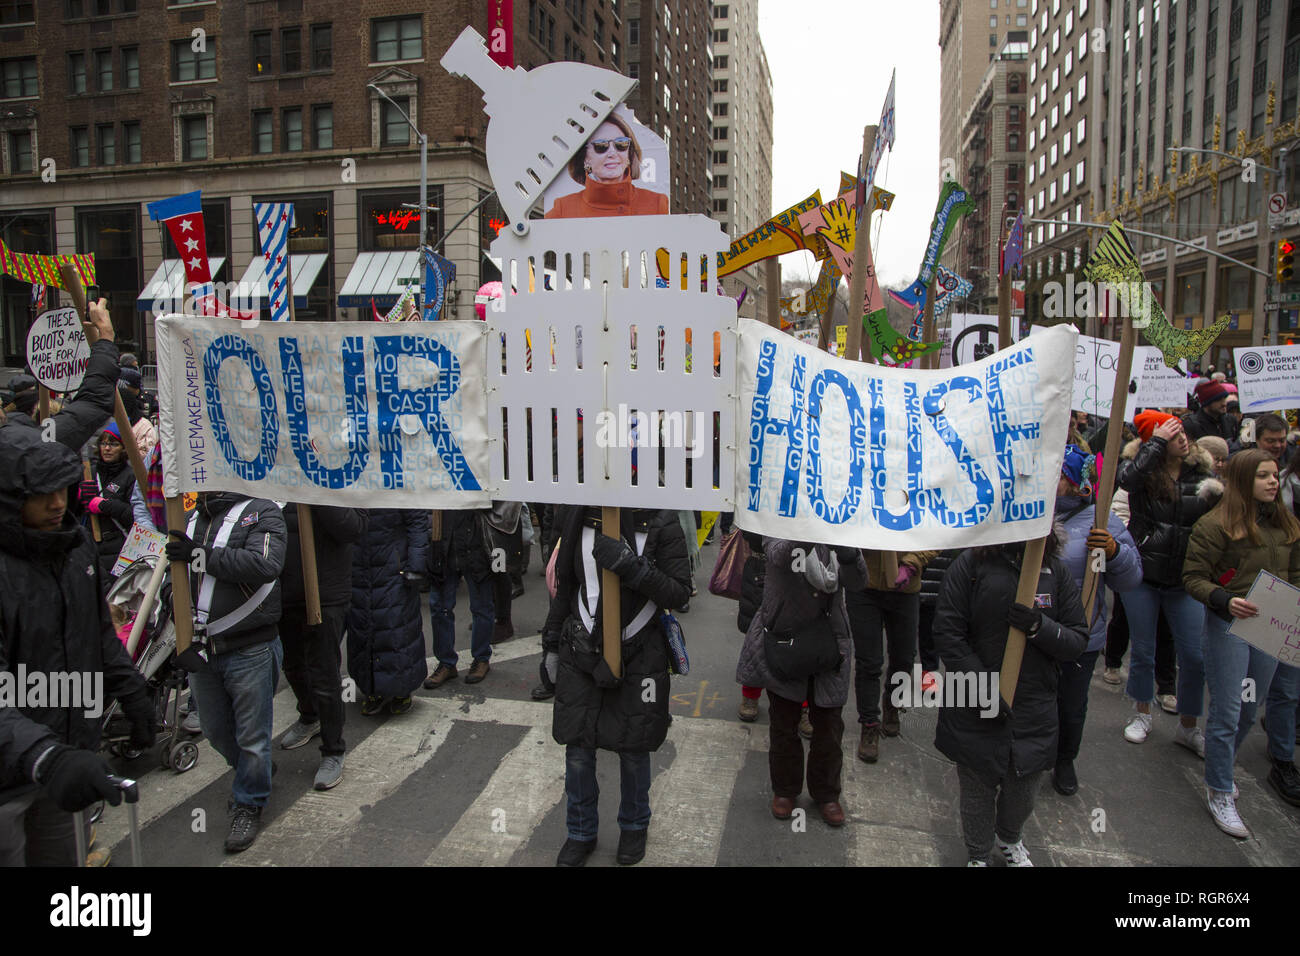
(605, 169)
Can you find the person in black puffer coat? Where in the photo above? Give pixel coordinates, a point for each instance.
(931, 581)
(996, 748)
(311, 652)
(1170, 485)
(385, 632)
(53, 620)
(593, 709)
(113, 482)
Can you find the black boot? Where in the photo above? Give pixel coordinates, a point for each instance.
(1064, 779)
(575, 852)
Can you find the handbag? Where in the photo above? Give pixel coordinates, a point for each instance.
(802, 651)
(678, 663)
(729, 572)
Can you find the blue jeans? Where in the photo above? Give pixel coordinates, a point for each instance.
(584, 793)
(235, 691)
(1186, 617)
(1228, 662)
(442, 611)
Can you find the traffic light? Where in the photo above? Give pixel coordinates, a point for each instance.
(1285, 262)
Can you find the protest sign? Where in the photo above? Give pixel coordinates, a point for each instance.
(284, 411)
(57, 350)
(140, 543)
(1268, 377)
(1158, 385)
(1275, 629)
(1095, 361)
(856, 454)
(974, 337)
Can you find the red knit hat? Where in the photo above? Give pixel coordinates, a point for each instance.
(1147, 422)
(1207, 393)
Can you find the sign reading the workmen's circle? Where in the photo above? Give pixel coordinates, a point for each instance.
(57, 350)
(355, 414)
(863, 455)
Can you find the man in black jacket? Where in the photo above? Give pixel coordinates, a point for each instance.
(93, 404)
(1213, 417)
(53, 622)
(463, 550)
(235, 548)
(312, 657)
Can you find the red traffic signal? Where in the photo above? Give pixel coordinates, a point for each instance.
(1285, 261)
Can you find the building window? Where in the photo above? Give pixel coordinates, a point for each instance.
(1056, 78)
(721, 36)
(291, 50)
(993, 39)
(387, 225)
(1068, 104)
(1022, 20)
(720, 182)
(76, 72)
(993, 22)
(720, 86)
(1065, 182)
(719, 132)
(720, 11)
(20, 77)
(20, 151)
(80, 142)
(634, 69)
(106, 144)
(1079, 130)
(17, 11)
(1083, 88)
(634, 31)
(1013, 142)
(131, 152)
(1065, 144)
(262, 141)
(720, 63)
(322, 127)
(719, 205)
(720, 109)
(322, 46)
(104, 70)
(130, 68)
(720, 157)
(394, 130)
(194, 138)
(1053, 154)
(291, 129)
(259, 46)
(1078, 173)
(189, 65)
(397, 39)
(1056, 115)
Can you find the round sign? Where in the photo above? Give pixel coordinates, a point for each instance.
(1277, 203)
(57, 350)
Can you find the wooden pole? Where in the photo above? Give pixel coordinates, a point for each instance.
(772, 280)
(1030, 567)
(861, 253)
(611, 624)
(930, 359)
(1005, 338)
(182, 606)
(43, 402)
(146, 605)
(1110, 464)
(306, 529)
(828, 319)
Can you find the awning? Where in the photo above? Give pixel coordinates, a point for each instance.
(382, 276)
(168, 286)
(304, 269)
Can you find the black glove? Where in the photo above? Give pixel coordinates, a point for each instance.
(139, 711)
(1027, 619)
(846, 555)
(180, 547)
(74, 779)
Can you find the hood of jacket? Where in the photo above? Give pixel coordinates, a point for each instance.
(1198, 457)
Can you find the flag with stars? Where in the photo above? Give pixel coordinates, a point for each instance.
(183, 217)
(274, 220)
(1012, 252)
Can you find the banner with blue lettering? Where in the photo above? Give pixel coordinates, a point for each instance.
(332, 413)
(903, 459)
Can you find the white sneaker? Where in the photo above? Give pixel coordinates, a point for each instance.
(1111, 675)
(976, 863)
(1223, 807)
(1193, 738)
(1138, 728)
(1014, 853)
(1168, 703)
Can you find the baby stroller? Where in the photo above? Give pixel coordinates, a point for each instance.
(154, 656)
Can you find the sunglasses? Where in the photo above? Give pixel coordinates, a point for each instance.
(601, 146)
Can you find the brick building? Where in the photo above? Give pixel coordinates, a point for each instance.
(107, 105)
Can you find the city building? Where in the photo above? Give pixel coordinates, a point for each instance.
(107, 105)
(742, 138)
(1114, 87)
(992, 171)
(971, 33)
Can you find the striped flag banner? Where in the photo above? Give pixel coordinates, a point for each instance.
(44, 269)
(274, 220)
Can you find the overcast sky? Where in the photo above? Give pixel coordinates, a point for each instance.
(830, 63)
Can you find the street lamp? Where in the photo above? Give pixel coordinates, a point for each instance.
(424, 180)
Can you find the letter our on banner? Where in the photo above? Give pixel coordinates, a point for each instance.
(869, 456)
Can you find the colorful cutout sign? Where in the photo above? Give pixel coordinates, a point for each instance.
(43, 269)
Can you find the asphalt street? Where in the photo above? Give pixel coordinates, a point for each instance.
(471, 776)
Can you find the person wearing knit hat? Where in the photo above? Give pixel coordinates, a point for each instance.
(1218, 452)
(1167, 493)
(107, 495)
(1212, 418)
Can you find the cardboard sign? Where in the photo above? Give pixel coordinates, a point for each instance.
(355, 414)
(140, 543)
(1095, 361)
(1158, 385)
(57, 350)
(855, 454)
(1268, 377)
(1275, 629)
(974, 337)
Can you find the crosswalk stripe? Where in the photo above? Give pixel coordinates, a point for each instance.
(372, 770)
(526, 785)
(162, 791)
(690, 799)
